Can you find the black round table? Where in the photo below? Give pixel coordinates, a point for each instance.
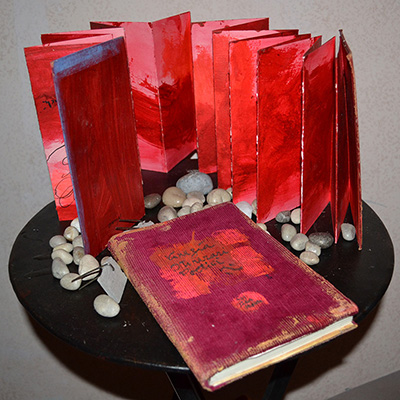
(134, 337)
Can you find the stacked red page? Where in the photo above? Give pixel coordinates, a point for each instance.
(230, 297)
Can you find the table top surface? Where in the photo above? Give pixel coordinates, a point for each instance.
(134, 337)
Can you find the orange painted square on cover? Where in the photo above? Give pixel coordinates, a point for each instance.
(279, 127)
(229, 296)
(38, 60)
(95, 104)
(161, 75)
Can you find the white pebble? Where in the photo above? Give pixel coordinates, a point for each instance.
(298, 241)
(196, 207)
(64, 255)
(262, 226)
(59, 268)
(88, 263)
(66, 281)
(287, 232)
(173, 197)
(245, 208)
(191, 201)
(348, 231)
(195, 181)
(230, 191)
(106, 306)
(295, 216)
(68, 247)
(152, 200)
(185, 210)
(254, 206)
(78, 241)
(309, 257)
(197, 195)
(166, 213)
(218, 196)
(57, 240)
(75, 223)
(70, 233)
(77, 254)
(310, 246)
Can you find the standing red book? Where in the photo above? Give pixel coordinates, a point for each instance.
(230, 297)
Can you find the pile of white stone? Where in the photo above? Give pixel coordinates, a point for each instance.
(310, 246)
(67, 250)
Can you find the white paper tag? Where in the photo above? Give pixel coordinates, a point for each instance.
(112, 279)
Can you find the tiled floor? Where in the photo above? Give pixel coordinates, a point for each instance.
(386, 388)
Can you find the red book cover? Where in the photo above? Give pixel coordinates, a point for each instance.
(230, 297)
(161, 75)
(96, 110)
(38, 60)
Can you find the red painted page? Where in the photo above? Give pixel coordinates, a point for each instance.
(243, 110)
(319, 125)
(76, 36)
(204, 89)
(221, 41)
(39, 59)
(161, 73)
(96, 109)
(348, 175)
(227, 294)
(279, 87)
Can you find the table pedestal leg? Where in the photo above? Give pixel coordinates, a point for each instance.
(185, 386)
(280, 380)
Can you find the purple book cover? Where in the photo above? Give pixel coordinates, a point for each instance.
(223, 290)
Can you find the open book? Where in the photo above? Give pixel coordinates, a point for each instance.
(230, 297)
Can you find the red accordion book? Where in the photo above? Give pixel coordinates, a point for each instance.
(230, 297)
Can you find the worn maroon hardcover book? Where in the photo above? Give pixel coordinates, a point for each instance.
(230, 297)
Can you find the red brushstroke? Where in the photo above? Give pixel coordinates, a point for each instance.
(243, 111)
(279, 127)
(318, 131)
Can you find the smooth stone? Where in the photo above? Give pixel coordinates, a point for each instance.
(348, 231)
(309, 257)
(310, 246)
(166, 213)
(196, 207)
(298, 241)
(207, 206)
(191, 201)
(173, 197)
(262, 226)
(59, 268)
(295, 216)
(143, 224)
(78, 254)
(322, 239)
(197, 195)
(64, 255)
(254, 206)
(218, 196)
(195, 181)
(230, 191)
(283, 217)
(66, 281)
(78, 241)
(71, 233)
(185, 210)
(75, 223)
(57, 240)
(88, 263)
(245, 208)
(287, 232)
(106, 306)
(68, 247)
(152, 200)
